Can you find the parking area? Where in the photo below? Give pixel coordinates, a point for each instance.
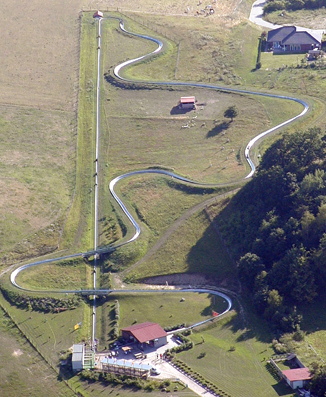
(131, 352)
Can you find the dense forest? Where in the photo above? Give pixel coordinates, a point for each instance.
(292, 5)
(276, 228)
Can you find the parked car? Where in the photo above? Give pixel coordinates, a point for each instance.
(155, 371)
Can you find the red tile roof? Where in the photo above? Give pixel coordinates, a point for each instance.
(145, 332)
(297, 374)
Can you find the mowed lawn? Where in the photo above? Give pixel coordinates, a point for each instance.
(23, 372)
(167, 309)
(233, 358)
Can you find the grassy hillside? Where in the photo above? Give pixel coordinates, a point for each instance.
(23, 370)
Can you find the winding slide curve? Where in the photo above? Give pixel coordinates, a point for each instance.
(97, 251)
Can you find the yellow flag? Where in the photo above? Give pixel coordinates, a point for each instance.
(76, 327)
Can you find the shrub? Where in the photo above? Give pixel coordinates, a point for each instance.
(41, 304)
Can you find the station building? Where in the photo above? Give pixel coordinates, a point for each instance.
(151, 334)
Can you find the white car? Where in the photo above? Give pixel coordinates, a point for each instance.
(155, 371)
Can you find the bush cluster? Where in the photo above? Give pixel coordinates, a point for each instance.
(108, 378)
(209, 386)
(115, 313)
(41, 304)
(187, 344)
(125, 84)
(174, 327)
(293, 5)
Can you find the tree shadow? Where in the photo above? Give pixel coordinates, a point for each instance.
(218, 128)
(177, 110)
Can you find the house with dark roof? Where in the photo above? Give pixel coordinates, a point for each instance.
(288, 39)
(148, 333)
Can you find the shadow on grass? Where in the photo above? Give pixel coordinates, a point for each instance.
(217, 129)
(282, 390)
(209, 257)
(65, 372)
(314, 316)
(189, 189)
(177, 110)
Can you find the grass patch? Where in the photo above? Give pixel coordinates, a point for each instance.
(193, 248)
(50, 276)
(234, 359)
(22, 368)
(51, 333)
(96, 389)
(36, 185)
(310, 19)
(167, 309)
(78, 229)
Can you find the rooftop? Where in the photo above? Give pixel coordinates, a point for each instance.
(300, 38)
(279, 34)
(98, 14)
(297, 374)
(126, 363)
(145, 332)
(188, 99)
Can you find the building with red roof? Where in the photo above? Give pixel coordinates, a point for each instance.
(146, 333)
(297, 377)
(98, 14)
(187, 102)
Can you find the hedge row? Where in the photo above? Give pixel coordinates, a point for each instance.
(108, 378)
(174, 327)
(115, 322)
(209, 386)
(187, 344)
(41, 304)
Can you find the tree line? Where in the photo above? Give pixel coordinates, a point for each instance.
(276, 228)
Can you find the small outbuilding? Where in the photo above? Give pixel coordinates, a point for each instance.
(98, 14)
(125, 367)
(187, 102)
(297, 377)
(148, 333)
(77, 357)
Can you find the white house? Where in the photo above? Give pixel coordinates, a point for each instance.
(297, 377)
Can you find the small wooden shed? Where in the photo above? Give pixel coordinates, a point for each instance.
(187, 102)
